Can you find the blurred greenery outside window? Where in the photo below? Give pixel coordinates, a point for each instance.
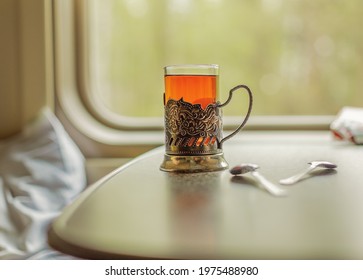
(299, 57)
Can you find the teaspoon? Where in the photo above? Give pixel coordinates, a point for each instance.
(313, 165)
(251, 168)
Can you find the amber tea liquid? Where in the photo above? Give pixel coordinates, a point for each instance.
(195, 89)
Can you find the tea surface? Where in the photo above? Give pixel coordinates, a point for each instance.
(195, 89)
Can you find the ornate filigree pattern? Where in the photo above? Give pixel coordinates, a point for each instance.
(190, 129)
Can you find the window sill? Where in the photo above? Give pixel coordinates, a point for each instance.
(97, 140)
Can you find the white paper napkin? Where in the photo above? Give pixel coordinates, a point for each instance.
(349, 125)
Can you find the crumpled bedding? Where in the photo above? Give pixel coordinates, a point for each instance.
(41, 171)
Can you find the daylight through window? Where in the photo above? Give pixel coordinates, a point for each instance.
(298, 57)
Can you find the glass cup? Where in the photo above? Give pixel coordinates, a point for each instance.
(193, 119)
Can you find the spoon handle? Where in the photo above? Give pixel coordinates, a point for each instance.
(294, 179)
(270, 187)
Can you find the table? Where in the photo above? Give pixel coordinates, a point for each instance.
(140, 212)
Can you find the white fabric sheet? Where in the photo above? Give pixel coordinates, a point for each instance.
(41, 171)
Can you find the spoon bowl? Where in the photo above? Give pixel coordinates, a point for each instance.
(243, 168)
(323, 164)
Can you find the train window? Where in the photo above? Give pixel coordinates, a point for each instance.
(298, 57)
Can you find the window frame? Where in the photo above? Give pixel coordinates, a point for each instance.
(86, 120)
